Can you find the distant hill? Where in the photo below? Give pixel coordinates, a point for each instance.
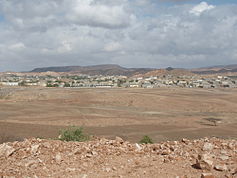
(113, 69)
(216, 69)
(167, 71)
(107, 69)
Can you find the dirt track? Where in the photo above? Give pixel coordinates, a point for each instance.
(163, 114)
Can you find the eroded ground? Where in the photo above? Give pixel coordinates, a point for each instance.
(163, 114)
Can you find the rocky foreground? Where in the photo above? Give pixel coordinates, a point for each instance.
(205, 158)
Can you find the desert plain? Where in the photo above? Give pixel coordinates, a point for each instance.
(130, 113)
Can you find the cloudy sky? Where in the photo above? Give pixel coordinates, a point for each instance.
(131, 33)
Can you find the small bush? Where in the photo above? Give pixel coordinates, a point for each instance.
(146, 140)
(73, 134)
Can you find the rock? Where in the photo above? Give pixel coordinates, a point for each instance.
(94, 153)
(58, 158)
(89, 155)
(119, 140)
(30, 163)
(165, 152)
(107, 169)
(224, 152)
(221, 167)
(71, 169)
(207, 175)
(138, 147)
(77, 151)
(207, 147)
(204, 162)
(34, 149)
(46, 145)
(84, 176)
(224, 157)
(234, 171)
(6, 150)
(184, 140)
(230, 146)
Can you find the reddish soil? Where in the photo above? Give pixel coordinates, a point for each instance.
(117, 158)
(163, 114)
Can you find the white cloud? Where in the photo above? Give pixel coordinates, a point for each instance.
(65, 47)
(114, 46)
(200, 8)
(88, 12)
(17, 46)
(129, 33)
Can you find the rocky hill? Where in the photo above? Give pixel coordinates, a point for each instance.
(100, 157)
(167, 71)
(107, 69)
(216, 69)
(112, 69)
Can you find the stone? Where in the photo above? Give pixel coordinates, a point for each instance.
(184, 140)
(221, 167)
(107, 169)
(89, 155)
(207, 147)
(82, 176)
(94, 153)
(30, 163)
(6, 150)
(224, 152)
(46, 145)
(119, 140)
(58, 158)
(204, 162)
(138, 147)
(71, 169)
(77, 151)
(207, 175)
(165, 152)
(34, 149)
(224, 157)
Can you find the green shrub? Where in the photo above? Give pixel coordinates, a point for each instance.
(73, 134)
(146, 140)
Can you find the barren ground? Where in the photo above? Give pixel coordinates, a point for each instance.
(205, 158)
(163, 114)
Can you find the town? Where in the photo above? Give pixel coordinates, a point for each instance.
(99, 81)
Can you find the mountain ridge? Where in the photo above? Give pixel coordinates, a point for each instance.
(115, 69)
(104, 69)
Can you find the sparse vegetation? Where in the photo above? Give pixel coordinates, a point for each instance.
(146, 140)
(73, 134)
(9, 138)
(213, 120)
(52, 85)
(4, 93)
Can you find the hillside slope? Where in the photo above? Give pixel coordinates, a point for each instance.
(107, 69)
(118, 158)
(216, 69)
(168, 71)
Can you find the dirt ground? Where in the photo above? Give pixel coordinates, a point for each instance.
(163, 114)
(205, 158)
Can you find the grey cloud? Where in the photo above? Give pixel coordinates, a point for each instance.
(55, 32)
(42, 14)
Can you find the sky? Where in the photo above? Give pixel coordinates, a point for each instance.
(131, 33)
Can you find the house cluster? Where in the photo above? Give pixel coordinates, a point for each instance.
(188, 82)
(99, 81)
